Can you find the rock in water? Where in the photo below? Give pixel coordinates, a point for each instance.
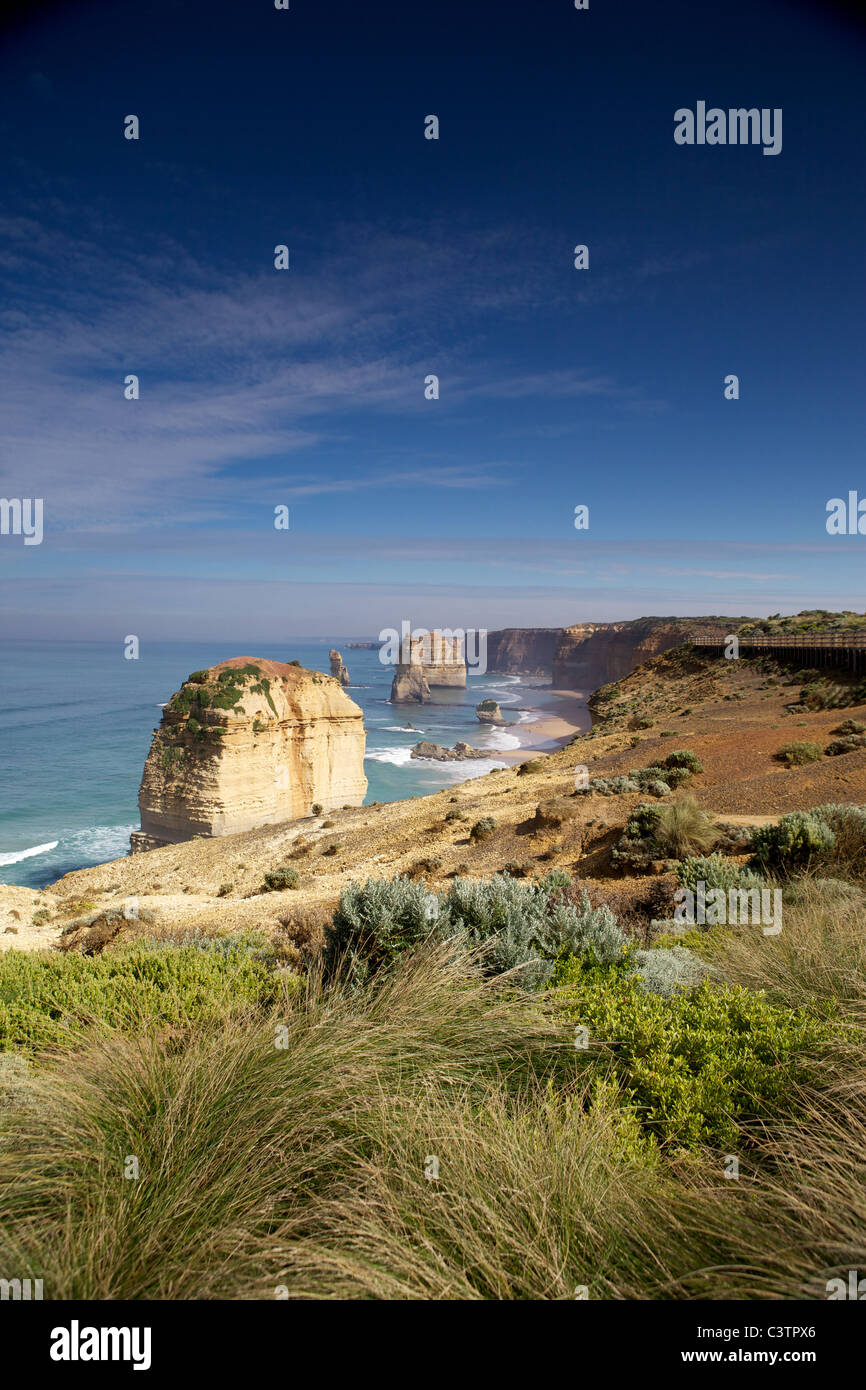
(249, 743)
(461, 752)
(434, 661)
(488, 712)
(410, 686)
(338, 670)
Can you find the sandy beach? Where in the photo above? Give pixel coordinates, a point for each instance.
(554, 729)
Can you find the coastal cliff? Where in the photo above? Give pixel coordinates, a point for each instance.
(589, 655)
(249, 743)
(434, 662)
(592, 654)
(522, 651)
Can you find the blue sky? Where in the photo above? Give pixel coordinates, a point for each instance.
(411, 257)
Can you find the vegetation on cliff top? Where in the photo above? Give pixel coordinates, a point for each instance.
(810, 620)
(188, 714)
(289, 1133)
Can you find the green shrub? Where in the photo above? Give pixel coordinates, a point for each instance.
(798, 754)
(455, 815)
(49, 999)
(698, 1064)
(847, 824)
(376, 923)
(849, 744)
(608, 786)
(671, 776)
(643, 821)
(316, 809)
(792, 843)
(826, 694)
(517, 924)
(666, 969)
(531, 925)
(286, 876)
(850, 726)
(224, 890)
(683, 757)
(657, 788)
(535, 765)
(715, 871)
(483, 828)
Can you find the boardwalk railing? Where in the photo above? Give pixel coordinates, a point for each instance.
(830, 648)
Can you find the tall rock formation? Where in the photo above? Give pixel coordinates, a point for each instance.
(338, 670)
(522, 651)
(249, 743)
(410, 685)
(435, 661)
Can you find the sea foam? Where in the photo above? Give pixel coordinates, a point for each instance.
(15, 856)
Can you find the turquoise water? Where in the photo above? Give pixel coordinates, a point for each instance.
(76, 720)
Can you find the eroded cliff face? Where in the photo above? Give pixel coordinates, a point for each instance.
(434, 662)
(591, 654)
(522, 651)
(249, 743)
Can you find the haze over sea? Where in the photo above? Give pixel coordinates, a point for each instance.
(77, 720)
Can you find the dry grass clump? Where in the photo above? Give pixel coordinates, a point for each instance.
(683, 828)
(819, 957)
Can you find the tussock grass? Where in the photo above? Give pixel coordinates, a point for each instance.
(235, 1136)
(305, 1165)
(531, 1202)
(683, 828)
(818, 961)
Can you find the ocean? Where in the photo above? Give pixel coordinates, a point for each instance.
(76, 720)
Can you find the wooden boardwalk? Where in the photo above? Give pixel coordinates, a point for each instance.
(810, 648)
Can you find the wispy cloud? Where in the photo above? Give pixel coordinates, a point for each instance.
(239, 373)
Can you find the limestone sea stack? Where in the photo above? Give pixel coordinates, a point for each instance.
(249, 743)
(338, 670)
(488, 712)
(435, 661)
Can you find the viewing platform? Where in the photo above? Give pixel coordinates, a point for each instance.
(810, 648)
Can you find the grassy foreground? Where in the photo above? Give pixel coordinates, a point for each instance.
(197, 1121)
